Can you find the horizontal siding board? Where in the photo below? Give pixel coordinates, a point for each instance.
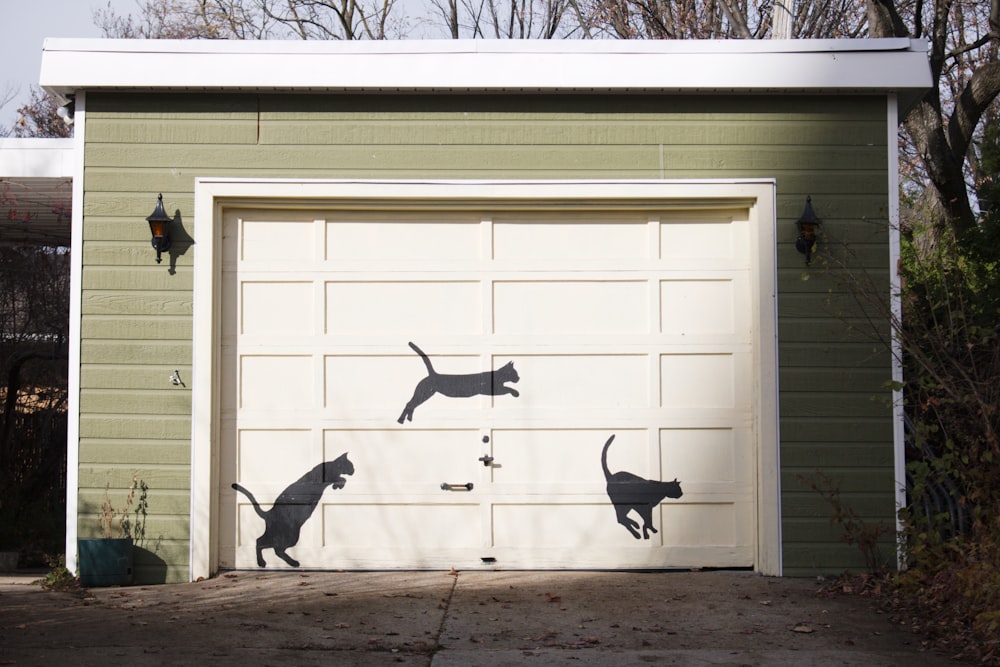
(157, 478)
(809, 504)
(139, 453)
(832, 532)
(395, 157)
(845, 481)
(138, 253)
(152, 106)
(167, 502)
(135, 427)
(136, 328)
(825, 330)
(826, 565)
(823, 404)
(133, 402)
(753, 159)
(760, 108)
(242, 130)
(120, 376)
(817, 431)
(147, 278)
(838, 380)
(830, 302)
(131, 209)
(846, 454)
(134, 352)
(595, 129)
(806, 354)
(114, 302)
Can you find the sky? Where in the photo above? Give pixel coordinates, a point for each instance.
(24, 25)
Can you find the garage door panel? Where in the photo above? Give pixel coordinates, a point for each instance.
(704, 238)
(411, 308)
(383, 384)
(557, 457)
(419, 527)
(277, 309)
(704, 454)
(274, 457)
(698, 307)
(704, 524)
(552, 525)
(406, 461)
(540, 239)
(700, 381)
(277, 240)
(252, 526)
(577, 307)
(277, 382)
(383, 239)
(581, 381)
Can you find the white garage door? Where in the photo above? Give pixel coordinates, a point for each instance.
(549, 334)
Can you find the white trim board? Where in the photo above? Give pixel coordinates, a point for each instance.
(213, 195)
(583, 66)
(38, 158)
(75, 341)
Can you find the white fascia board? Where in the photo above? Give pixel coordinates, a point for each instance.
(36, 158)
(875, 65)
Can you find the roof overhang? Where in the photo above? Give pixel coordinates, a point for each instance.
(867, 66)
(36, 191)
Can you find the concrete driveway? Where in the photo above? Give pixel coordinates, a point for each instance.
(463, 619)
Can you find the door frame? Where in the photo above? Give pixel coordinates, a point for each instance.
(214, 195)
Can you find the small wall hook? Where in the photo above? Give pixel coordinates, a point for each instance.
(175, 379)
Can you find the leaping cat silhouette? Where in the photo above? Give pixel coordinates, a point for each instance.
(490, 383)
(631, 492)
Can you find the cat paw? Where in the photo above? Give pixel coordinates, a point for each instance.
(515, 393)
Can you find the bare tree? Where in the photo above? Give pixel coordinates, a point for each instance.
(7, 95)
(39, 117)
(254, 19)
(946, 126)
(334, 19)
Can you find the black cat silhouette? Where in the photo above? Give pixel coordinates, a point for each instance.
(490, 383)
(631, 492)
(283, 522)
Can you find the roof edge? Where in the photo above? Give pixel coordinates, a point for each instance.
(628, 66)
(421, 46)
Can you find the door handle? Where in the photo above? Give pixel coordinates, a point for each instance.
(486, 459)
(445, 486)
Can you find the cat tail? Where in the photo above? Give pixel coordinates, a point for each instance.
(604, 457)
(253, 501)
(427, 360)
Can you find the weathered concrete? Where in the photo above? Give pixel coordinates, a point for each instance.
(437, 619)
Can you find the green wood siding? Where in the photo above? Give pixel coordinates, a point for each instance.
(137, 315)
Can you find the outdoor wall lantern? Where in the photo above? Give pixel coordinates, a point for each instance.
(808, 224)
(159, 223)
